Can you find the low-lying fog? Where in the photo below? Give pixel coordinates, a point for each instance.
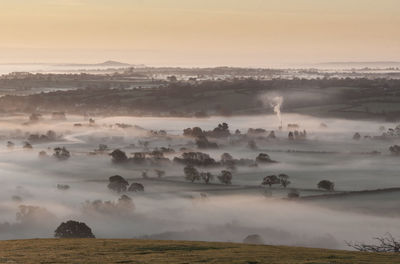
(32, 206)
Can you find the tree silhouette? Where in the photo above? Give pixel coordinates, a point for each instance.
(73, 229)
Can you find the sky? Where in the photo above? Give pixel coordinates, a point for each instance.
(199, 32)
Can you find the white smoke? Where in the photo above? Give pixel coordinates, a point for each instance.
(276, 103)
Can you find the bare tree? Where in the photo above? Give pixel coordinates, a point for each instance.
(385, 243)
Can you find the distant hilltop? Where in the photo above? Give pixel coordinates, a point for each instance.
(108, 63)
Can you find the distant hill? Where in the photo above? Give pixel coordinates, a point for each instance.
(112, 63)
(108, 63)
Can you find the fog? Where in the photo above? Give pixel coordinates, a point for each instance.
(32, 206)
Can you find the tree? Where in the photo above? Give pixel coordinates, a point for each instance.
(35, 117)
(225, 177)
(284, 180)
(43, 154)
(291, 135)
(253, 239)
(136, 187)
(264, 158)
(226, 157)
(63, 187)
(206, 176)
(10, 144)
(118, 156)
(271, 135)
(51, 135)
(356, 136)
(293, 194)
(191, 173)
(125, 202)
(193, 132)
(73, 229)
(203, 143)
(326, 185)
(270, 180)
(27, 145)
(102, 148)
(160, 173)
(385, 244)
(222, 130)
(61, 153)
(117, 183)
(252, 144)
(395, 150)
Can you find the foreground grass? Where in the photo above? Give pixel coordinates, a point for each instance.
(149, 251)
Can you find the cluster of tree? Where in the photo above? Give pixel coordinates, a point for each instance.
(195, 159)
(296, 135)
(39, 138)
(231, 163)
(391, 132)
(25, 145)
(194, 95)
(119, 184)
(157, 133)
(260, 133)
(61, 153)
(281, 179)
(221, 131)
(158, 173)
(155, 157)
(203, 143)
(200, 136)
(192, 175)
(124, 205)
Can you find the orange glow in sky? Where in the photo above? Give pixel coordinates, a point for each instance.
(199, 32)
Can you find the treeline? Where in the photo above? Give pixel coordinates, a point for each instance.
(185, 98)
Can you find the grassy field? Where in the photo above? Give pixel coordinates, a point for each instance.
(147, 251)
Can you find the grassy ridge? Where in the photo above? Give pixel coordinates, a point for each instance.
(149, 251)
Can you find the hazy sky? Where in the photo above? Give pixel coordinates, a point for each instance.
(199, 32)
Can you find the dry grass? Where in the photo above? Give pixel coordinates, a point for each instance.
(147, 251)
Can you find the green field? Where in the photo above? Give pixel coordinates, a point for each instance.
(149, 251)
